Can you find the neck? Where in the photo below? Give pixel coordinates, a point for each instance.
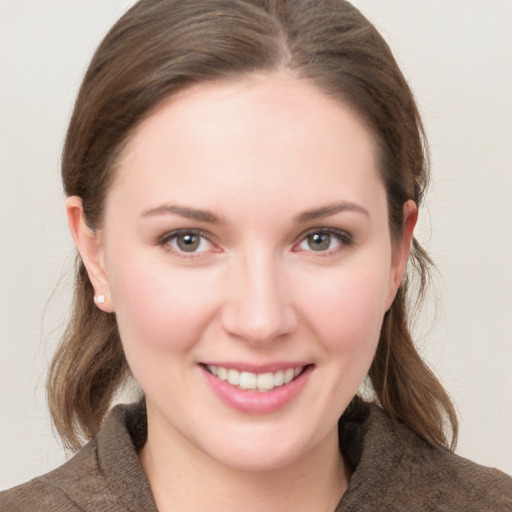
(185, 481)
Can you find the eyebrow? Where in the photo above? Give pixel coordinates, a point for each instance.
(328, 210)
(207, 216)
(183, 211)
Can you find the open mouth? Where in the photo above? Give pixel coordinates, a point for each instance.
(260, 382)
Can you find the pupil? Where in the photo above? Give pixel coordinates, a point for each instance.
(188, 243)
(319, 241)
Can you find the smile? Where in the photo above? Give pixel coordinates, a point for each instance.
(260, 382)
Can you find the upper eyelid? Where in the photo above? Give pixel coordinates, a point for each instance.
(324, 229)
(185, 231)
(169, 235)
(346, 240)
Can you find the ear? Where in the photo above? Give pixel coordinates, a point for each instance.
(401, 250)
(88, 243)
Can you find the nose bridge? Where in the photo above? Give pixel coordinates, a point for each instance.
(259, 308)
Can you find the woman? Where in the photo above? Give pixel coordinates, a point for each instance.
(243, 182)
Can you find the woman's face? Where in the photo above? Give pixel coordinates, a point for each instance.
(246, 238)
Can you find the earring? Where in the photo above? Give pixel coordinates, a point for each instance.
(100, 299)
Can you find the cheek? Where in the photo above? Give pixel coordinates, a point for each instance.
(158, 307)
(345, 308)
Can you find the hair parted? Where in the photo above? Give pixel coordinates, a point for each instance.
(160, 47)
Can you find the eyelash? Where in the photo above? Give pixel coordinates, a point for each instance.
(167, 238)
(344, 238)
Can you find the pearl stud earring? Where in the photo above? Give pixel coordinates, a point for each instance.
(100, 299)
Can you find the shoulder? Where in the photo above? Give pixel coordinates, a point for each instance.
(397, 470)
(105, 475)
(52, 491)
(452, 482)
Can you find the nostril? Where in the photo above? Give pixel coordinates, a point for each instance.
(258, 326)
(257, 309)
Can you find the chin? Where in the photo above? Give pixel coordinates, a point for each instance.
(264, 448)
(256, 458)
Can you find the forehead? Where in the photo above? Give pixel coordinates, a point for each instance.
(249, 137)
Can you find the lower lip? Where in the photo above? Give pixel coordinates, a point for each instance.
(255, 402)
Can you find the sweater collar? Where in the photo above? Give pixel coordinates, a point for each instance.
(369, 443)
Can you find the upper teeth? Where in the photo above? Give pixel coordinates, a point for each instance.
(256, 381)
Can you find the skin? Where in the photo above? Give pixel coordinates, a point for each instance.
(257, 154)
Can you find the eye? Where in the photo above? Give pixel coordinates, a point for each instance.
(187, 242)
(324, 240)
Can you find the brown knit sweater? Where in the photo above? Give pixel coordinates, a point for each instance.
(392, 470)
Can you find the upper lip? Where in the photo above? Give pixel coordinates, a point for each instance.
(257, 368)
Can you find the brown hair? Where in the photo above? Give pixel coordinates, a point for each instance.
(161, 46)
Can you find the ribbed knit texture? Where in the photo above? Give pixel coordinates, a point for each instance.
(393, 470)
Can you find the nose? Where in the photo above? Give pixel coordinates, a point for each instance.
(258, 308)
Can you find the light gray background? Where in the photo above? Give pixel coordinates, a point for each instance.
(457, 55)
